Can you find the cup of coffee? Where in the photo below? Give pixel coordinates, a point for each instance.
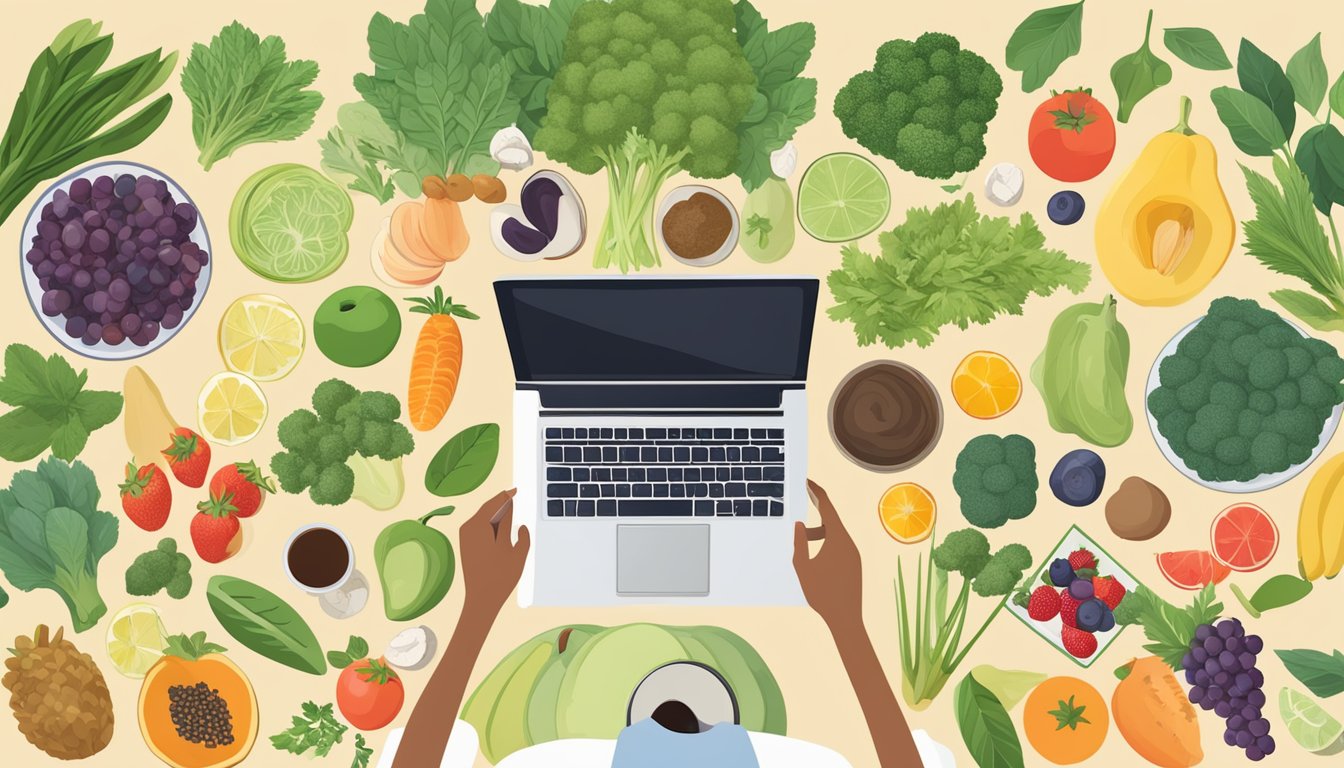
(318, 558)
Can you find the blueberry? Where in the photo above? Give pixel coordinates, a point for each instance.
(1061, 572)
(1107, 620)
(1081, 589)
(1078, 478)
(1091, 615)
(1065, 207)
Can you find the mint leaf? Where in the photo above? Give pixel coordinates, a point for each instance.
(52, 408)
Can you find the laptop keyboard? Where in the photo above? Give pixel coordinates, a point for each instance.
(664, 472)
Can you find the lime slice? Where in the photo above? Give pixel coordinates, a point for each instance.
(136, 639)
(842, 197)
(289, 224)
(231, 409)
(1312, 727)
(261, 336)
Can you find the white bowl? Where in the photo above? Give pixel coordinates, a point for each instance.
(684, 193)
(56, 325)
(1261, 483)
(349, 561)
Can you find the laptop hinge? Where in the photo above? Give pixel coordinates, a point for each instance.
(673, 396)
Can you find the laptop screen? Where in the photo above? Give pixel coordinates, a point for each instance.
(640, 329)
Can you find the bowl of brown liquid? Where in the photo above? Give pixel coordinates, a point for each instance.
(318, 558)
(886, 416)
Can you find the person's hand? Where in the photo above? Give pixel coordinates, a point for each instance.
(831, 579)
(491, 562)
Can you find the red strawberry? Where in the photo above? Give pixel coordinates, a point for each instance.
(188, 456)
(1079, 643)
(146, 496)
(1044, 603)
(1108, 590)
(215, 530)
(1081, 558)
(1068, 608)
(245, 482)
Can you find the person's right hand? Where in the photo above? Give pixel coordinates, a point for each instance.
(832, 580)
(491, 562)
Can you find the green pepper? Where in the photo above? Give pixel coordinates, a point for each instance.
(415, 565)
(1081, 374)
(767, 221)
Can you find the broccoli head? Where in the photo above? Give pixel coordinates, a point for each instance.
(965, 552)
(996, 479)
(925, 104)
(162, 568)
(1003, 571)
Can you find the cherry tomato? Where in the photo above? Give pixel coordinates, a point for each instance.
(1071, 136)
(369, 694)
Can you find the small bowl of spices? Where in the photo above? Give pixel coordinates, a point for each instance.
(886, 416)
(697, 225)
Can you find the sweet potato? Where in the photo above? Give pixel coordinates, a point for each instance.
(1154, 715)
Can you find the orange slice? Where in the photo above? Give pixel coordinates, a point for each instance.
(907, 512)
(986, 385)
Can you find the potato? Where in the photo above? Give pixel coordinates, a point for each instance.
(1138, 511)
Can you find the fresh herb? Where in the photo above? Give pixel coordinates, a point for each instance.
(58, 119)
(316, 728)
(1306, 72)
(947, 266)
(784, 101)
(356, 649)
(191, 647)
(362, 753)
(1278, 592)
(264, 623)
(1197, 47)
(985, 726)
(360, 145)
(532, 39)
(464, 462)
(1043, 41)
(51, 407)
(1263, 78)
(1322, 673)
(1169, 628)
(243, 91)
(52, 536)
(1253, 127)
(1138, 74)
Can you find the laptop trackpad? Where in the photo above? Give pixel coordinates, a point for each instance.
(662, 559)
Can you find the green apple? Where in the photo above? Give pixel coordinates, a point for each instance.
(357, 326)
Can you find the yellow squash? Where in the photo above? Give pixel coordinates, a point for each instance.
(1165, 228)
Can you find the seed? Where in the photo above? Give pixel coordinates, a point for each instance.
(1171, 242)
(200, 715)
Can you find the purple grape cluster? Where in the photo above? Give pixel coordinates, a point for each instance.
(1220, 668)
(115, 258)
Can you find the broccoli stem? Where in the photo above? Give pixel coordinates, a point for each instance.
(636, 172)
(80, 593)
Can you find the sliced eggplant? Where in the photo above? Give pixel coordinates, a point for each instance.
(549, 222)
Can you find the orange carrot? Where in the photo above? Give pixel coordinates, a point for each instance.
(436, 362)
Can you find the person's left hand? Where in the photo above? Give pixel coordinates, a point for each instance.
(492, 563)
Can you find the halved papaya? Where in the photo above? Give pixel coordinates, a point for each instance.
(197, 709)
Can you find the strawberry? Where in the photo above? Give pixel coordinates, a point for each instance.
(1108, 590)
(1081, 558)
(245, 482)
(146, 496)
(188, 456)
(1068, 608)
(1044, 604)
(1079, 643)
(215, 530)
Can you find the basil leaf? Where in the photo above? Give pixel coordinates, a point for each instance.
(1320, 155)
(1337, 96)
(1322, 673)
(1253, 127)
(1306, 72)
(464, 462)
(1043, 41)
(264, 623)
(1197, 47)
(1264, 79)
(985, 726)
(1322, 317)
(1138, 74)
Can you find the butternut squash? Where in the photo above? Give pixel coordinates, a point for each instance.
(189, 663)
(1154, 715)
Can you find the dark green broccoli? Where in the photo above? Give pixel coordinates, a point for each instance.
(925, 104)
(348, 445)
(996, 479)
(965, 552)
(1003, 571)
(161, 568)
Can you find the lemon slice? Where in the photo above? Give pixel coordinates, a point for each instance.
(136, 639)
(261, 336)
(1311, 726)
(231, 409)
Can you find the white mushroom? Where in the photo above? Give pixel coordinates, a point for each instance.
(411, 648)
(784, 161)
(511, 149)
(1004, 184)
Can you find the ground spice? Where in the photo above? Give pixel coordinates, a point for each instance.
(200, 715)
(697, 226)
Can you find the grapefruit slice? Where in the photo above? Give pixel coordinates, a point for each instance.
(1191, 568)
(1244, 538)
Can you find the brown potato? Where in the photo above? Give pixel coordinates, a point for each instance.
(489, 189)
(1138, 511)
(459, 188)
(434, 187)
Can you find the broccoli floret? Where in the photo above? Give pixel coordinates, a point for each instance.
(334, 485)
(996, 479)
(965, 551)
(295, 430)
(1003, 571)
(1130, 608)
(330, 395)
(925, 104)
(160, 568)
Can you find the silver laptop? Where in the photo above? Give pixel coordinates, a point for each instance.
(660, 436)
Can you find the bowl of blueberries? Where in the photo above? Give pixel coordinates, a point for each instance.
(115, 260)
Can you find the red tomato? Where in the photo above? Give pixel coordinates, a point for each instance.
(1071, 136)
(369, 694)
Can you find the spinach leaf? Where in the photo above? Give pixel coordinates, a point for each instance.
(1197, 47)
(985, 726)
(1285, 589)
(1263, 78)
(264, 623)
(1138, 74)
(784, 101)
(1306, 72)
(1253, 127)
(1043, 41)
(532, 39)
(1320, 155)
(464, 462)
(1337, 96)
(1322, 673)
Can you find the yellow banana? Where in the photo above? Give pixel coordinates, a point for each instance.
(1320, 524)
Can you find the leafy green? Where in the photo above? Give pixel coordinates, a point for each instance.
(1263, 78)
(1322, 673)
(360, 145)
(356, 649)
(1253, 127)
(1138, 74)
(1197, 47)
(1320, 155)
(243, 91)
(464, 462)
(51, 407)
(1169, 628)
(1306, 72)
(1278, 591)
(315, 728)
(264, 623)
(1009, 686)
(4, 597)
(784, 101)
(191, 647)
(61, 117)
(532, 39)
(1337, 96)
(52, 536)
(986, 727)
(946, 266)
(362, 753)
(1043, 41)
